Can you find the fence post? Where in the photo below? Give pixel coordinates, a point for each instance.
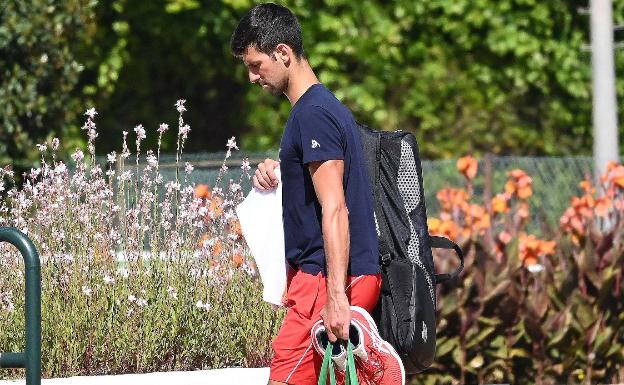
(31, 358)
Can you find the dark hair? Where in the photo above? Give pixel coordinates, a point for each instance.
(264, 27)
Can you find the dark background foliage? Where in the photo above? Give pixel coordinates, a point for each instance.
(508, 76)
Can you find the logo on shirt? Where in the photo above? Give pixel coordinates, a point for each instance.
(315, 144)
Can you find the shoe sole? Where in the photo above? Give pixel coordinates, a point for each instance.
(373, 328)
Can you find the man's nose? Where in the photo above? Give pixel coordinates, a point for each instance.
(253, 77)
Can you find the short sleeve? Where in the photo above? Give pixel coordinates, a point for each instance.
(321, 137)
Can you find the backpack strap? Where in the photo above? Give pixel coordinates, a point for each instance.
(385, 251)
(445, 243)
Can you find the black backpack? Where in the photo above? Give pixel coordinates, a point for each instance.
(405, 313)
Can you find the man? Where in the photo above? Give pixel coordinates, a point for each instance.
(329, 229)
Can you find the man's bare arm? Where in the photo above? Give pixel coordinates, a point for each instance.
(327, 179)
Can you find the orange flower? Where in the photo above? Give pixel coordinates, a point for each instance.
(583, 205)
(235, 228)
(499, 204)
(434, 225)
(202, 241)
(467, 165)
(215, 206)
(478, 218)
(451, 198)
(217, 248)
(530, 249)
(523, 210)
(602, 207)
(202, 191)
(519, 183)
(504, 237)
(616, 175)
(587, 187)
(524, 192)
(238, 260)
(446, 228)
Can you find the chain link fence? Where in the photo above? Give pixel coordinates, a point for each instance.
(555, 179)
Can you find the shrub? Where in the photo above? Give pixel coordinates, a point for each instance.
(528, 310)
(139, 274)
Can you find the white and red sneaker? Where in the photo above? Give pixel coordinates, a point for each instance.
(320, 341)
(376, 360)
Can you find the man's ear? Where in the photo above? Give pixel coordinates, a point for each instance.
(284, 53)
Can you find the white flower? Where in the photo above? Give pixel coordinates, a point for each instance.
(152, 161)
(188, 168)
(91, 113)
(232, 143)
(55, 144)
(224, 168)
(112, 157)
(131, 298)
(163, 127)
(184, 130)
(78, 155)
(141, 302)
(89, 125)
(44, 58)
(86, 290)
(180, 105)
(245, 166)
(172, 186)
(125, 176)
(235, 187)
(172, 292)
(60, 168)
(108, 279)
(202, 305)
(536, 268)
(42, 147)
(140, 131)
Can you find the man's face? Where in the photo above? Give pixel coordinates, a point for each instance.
(269, 72)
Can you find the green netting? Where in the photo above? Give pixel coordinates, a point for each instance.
(555, 179)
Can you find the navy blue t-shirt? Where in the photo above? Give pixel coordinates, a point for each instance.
(320, 128)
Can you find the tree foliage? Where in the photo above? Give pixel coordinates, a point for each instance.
(505, 76)
(38, 72)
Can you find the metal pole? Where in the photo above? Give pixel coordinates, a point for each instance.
(603, 80)
(31, 358)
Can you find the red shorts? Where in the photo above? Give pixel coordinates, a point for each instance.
(295, 361)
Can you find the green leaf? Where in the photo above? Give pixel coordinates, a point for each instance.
(447, 345)
(480, 337)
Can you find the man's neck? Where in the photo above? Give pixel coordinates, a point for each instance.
(299, 81)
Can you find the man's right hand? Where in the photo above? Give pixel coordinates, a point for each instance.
(265, 179)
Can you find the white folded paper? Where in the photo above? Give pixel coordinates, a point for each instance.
(260, 216)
